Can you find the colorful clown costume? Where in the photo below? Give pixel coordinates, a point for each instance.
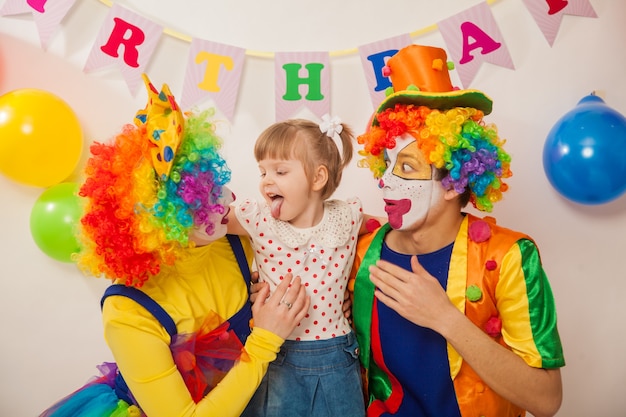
(198, 294)
(177, 316)
(494, 275)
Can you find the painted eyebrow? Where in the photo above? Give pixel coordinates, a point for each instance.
(409, 157)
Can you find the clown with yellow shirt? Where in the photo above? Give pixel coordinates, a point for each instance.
(177, 317)
(453, 313)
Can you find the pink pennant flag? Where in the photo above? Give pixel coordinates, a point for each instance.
(47, 14)
(549, 13)
(473, 36)
(302, 81)
(213, 70)
(374, 57)
(128, 40)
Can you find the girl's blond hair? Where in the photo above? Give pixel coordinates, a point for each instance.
(303, 140)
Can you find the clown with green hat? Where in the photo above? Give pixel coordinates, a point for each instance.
(454, 314)
(448, 123)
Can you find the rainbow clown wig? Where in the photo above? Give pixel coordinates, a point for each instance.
(147, 189)
(446, 123)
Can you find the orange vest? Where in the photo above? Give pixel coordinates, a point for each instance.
(483, 258)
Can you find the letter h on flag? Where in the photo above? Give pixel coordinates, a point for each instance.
(302, 81)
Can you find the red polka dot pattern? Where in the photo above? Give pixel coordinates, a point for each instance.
(324, 270)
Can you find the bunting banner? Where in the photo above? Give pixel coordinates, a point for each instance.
(302, 82)
(127, 40)
(213, 70)
(473, 37)
(548, 14)
(374, 57)
(46, 14)
(302, 79)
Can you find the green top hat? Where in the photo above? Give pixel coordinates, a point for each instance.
(419, 75)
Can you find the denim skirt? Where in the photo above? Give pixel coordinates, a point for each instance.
(318, 378)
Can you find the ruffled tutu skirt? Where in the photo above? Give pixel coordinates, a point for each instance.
(203, 359)
(97, 398)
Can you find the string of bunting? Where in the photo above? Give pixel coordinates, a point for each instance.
(214, 70)
(265, 54)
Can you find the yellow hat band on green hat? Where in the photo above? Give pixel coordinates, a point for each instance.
(420, 77)
(439, 100)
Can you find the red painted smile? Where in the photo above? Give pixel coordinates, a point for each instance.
(395, 210)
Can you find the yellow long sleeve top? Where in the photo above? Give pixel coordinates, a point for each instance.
(205, 283)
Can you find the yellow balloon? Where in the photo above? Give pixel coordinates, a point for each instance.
(41, 139)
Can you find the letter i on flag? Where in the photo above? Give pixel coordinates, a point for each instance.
(128, 40)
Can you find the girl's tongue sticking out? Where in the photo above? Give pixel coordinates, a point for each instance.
(277, 202)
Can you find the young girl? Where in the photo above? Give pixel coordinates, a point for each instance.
(297, 230)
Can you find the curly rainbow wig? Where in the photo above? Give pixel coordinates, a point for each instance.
(136, 220)
(456, 140)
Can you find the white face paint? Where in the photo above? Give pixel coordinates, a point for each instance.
(219, 220)
(408, 186)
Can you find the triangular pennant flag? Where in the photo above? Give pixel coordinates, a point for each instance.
(374, 57)
(13, 7)
(128, 40)
(473, 36)
(46, 14)
(302, 81)
(549, 13)
(213, 70)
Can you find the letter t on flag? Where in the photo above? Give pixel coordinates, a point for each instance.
(213, 70)
(128, 40)
(473, 36)
(302, 80)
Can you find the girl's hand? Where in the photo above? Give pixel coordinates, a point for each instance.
(255, 286)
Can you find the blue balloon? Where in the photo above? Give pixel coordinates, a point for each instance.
(584, 156)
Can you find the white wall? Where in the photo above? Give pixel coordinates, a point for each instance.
(49, 313)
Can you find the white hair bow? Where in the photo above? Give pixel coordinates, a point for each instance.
(331, 126)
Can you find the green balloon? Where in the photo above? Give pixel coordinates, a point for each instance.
(54, 219)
